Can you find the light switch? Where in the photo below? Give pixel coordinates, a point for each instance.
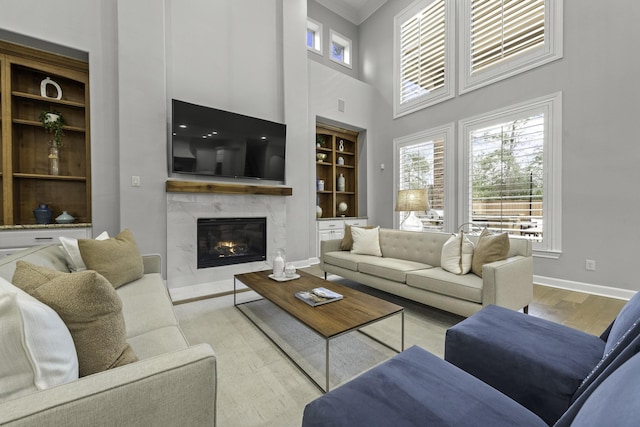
(135, 181)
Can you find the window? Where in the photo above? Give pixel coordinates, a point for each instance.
(340, 49)
(314, 36)
(424, 59)
(420, 162)
(501, 38)
(512, 175)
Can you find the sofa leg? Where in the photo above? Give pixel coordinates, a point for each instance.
(325, 275)
(525, 309)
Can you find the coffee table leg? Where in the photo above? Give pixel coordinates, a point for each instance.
(326, 355)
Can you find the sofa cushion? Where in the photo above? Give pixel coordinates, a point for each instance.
(158, 341)
(534, 361)
(416, 388)
(629, 314)
(117, 259)
(347, 240)
(89, 306)
(345, 259)
(366, 241)
(490, 248)
(137, 296)
(72, 251)
(467, 287)
(37, 350)
(457, 253)
(390, 268)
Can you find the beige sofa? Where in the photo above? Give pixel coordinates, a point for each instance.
(172, 383)
(410, 268)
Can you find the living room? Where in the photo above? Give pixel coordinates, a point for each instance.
(250, 57)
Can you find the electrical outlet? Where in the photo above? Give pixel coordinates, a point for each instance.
(590, 265)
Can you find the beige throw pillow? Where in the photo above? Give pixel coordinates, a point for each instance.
(490, 248)
(117, 259)
(89, 306)
(72, 252)
(347, 239)
(457, 254)
(366, 241)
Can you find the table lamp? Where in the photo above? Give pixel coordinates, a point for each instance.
(410, 201)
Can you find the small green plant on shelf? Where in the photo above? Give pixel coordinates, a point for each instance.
(52, 122)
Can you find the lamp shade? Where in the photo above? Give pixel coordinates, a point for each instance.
(412, 200)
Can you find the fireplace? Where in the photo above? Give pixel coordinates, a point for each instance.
(225, 241)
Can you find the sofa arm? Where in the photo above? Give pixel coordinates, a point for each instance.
(173, 389)
(152, 263)
(508, 283)
(328, 246)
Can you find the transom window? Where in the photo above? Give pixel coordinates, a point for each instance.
(340, 49)
(501, 38)
(314, 36)
(424, 59)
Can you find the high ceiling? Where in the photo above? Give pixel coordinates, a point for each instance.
(355, 11)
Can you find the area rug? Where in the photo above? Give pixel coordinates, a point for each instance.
(349, 354)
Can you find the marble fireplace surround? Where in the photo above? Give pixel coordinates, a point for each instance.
(188, 201)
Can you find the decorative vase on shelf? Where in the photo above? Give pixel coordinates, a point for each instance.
(43, 214)
(341, 182)
(65, 218)
(318, 211)
(54, 160)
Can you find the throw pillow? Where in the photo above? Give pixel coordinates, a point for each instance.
(37, 350)
(89, 306)
(347, 239)
(457, 254)
(366, 241)
(117, 259)
(489, 248)
(72, 252)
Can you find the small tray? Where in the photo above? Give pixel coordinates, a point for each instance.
(284, 278)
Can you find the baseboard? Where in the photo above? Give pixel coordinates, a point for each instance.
(588, 288)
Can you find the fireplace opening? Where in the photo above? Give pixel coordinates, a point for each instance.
(226, 241)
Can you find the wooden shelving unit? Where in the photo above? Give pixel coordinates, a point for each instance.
(24, 163)
(337, 143)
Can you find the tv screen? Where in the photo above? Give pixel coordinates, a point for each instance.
(211, 142)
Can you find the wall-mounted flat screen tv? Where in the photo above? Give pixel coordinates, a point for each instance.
(216, 143)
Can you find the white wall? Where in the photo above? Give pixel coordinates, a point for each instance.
(598, 79)
(88, 26)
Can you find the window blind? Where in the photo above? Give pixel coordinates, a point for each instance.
(507, 177)
(501, 29)
(422, 52)
(421, 165)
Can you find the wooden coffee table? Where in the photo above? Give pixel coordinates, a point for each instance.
(355, 311)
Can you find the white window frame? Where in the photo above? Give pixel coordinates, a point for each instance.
(551, 51)
(445, 132)
(316, 27)
(442, 94)
(551, 107)
(345, 42)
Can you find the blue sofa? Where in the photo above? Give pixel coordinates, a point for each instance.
(586, 380)
(542, 365)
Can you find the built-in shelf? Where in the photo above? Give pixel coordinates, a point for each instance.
(176, 186)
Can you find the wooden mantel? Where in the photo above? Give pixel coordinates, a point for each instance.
(174, 186)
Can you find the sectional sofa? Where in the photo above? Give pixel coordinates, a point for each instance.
(171, 383)
(410, 267)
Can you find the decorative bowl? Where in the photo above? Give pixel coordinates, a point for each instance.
(321, 156)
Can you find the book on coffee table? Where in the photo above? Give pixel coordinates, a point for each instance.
(318, 296)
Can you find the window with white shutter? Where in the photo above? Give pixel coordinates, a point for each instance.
(420, 163)
(512, 183)
(424, 56)
(500, 38)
